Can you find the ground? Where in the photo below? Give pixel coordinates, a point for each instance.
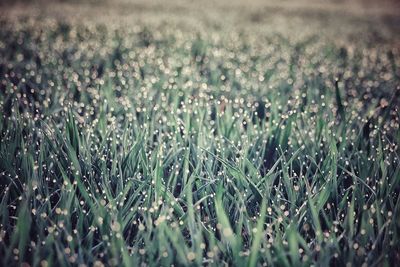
(194, 133)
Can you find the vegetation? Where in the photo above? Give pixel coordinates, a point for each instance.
(156, 146)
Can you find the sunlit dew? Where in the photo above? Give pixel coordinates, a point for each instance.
(130, 144)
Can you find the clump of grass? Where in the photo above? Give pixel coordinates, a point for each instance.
(165, 147)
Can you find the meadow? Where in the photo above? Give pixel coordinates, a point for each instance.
(159, 145)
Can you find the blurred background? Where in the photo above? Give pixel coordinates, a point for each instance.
(331, 18)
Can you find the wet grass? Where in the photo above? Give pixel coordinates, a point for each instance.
(150, 145)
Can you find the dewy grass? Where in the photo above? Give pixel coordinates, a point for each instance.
(148, 146)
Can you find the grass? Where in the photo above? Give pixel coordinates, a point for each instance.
(154, 146)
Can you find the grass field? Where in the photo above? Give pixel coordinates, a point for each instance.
(252, 136)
